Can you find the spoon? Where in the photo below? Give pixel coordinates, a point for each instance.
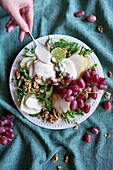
(41, 51)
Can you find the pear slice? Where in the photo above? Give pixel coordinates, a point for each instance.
(33, 103)
(26, 109)
(89, 63)
(25, 60)
(60, 104)
(78, 61)
(29, 62)
(84, 67)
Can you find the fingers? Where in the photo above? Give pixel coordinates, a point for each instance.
(11, 27)
(21, 35)
(9, 22)
(20, 22)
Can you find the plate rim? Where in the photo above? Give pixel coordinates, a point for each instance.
(68, 125)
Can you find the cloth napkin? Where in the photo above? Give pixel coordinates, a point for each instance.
(33, 146)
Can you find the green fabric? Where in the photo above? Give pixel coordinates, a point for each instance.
(33, 146)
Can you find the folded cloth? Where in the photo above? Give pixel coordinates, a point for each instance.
(33, 146)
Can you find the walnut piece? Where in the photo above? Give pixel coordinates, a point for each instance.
(67, 159)
(108, 135)
(76, 127)
(17, 74)
(59, 168)
(37, 76)
(107, 95)
(55, 158)
(110, 74)
(35, 85)
(100, 29)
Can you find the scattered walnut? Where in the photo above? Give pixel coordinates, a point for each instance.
(44, 109)
(48, 46)
(43, 103)
(94, 69)
(110, 74)
(100, 29)
(65, 49)
(107, 95)
(69, 54)
(35, 85)
(17, 74)
(60, 76)
(37, 77)
(105, 135)
(78, 109)
(89, 70)
(108, 135)
(55, 158)
(53, 100)
(67, 159)
(59, 168)
(76, 127)
(45, 115)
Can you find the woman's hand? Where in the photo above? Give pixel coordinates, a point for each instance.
(21, 12)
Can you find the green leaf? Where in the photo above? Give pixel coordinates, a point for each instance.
(35, 115)
(95, 65)
(14, 80)
(86, 52)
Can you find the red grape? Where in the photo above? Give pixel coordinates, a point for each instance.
(69, 92)
(75, 93)
(2, 130)
(69, 99)
(76, 88)
(94, 95)
(87, 107)
(87, 138)
(80, 102)
(107, 105)
(2, 123)
(4, 119)
(7, 128)
(94, 130)
(73, 105)
(87, 76)
(92, 74)
(9, 134)
(69, 79)
(87, 83)
(10, 123)
(54, 79)
(10, 116)
(74, 82)
(88, 88)
(9, 140)
(58, 89)
(3, 140)
(64, 94)
(81, 83)
(96, 78)
(79, 14)
(102, 86)
(102, 80)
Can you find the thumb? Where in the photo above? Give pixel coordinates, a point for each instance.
(20, 22)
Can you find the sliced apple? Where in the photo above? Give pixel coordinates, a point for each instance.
(60, 104)
(25, 60)
(26, 109)
(78, 61)
(33, 103)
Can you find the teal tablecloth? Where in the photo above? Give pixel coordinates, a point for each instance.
(33, 146)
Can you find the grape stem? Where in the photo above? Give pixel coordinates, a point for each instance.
(81, 50)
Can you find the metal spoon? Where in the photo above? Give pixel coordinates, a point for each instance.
(41, 52)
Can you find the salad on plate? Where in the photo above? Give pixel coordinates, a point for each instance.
(60, 87)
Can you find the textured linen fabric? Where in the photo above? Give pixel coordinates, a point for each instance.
(33, 146)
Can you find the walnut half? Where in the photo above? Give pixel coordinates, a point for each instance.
(55, 158)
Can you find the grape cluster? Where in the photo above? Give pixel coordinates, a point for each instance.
(94, 131)
(77, 92)
(6, 130)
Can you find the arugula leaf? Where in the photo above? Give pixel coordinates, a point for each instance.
(35, 115)
(73, 113)
(95, 65)
(30, 53)
(86, 52)
(14, 80)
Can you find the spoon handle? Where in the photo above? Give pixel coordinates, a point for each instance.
(32, 38)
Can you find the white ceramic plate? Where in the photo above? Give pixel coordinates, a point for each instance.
(60, 124)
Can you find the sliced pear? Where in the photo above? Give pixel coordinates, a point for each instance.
(60, 104)
(26, 109)
(84, 67)
(25, 60)
(89, 63)
(29, 62)
(78, 61)
(33, 103)
(69, 67)
(31, 70)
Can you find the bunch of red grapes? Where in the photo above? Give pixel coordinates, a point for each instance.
(79, 91)
(6, 130)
